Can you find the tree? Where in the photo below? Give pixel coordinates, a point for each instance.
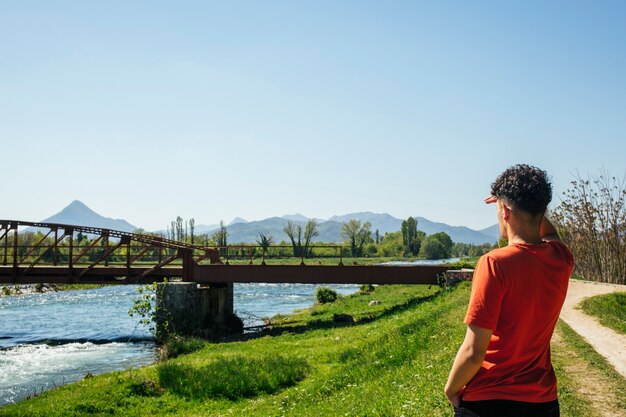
(180, 230)
(446, 241)
(432, 248)
(310, 232)
(356, 234)
(192, 228)
(409, 230)
(591, 220)
(391, 244)
(295, 234)
(221, 236)
(436, 246)
(264, 242)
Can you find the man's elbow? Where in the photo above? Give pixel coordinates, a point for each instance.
(474, 356)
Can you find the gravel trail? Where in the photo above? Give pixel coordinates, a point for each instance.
(607, 342)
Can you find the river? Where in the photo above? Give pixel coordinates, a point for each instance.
(51, 339)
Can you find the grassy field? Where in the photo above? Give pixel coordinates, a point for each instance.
(610, 309)
(392, 360)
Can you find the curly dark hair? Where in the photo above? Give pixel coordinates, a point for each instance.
(526, 187)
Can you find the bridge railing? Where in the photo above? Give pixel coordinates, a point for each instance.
(58, 253)
(62, 245)
(279, 253)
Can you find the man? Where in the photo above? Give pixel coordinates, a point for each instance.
(503, 367)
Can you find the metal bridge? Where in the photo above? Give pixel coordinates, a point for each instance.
(59, 255)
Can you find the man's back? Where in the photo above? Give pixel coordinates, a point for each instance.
(518, 292)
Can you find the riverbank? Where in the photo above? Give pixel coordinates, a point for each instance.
(9, 290)
(352, 357)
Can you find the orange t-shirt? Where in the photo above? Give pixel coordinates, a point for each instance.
(518, 292)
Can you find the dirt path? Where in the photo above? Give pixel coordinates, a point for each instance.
(607, 342)
(588, 383)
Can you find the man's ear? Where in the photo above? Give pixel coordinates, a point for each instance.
(506, 212)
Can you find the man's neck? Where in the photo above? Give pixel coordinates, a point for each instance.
(526, 236)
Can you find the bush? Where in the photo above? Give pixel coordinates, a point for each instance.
(592, 222)
(325, 295)
(366, 288)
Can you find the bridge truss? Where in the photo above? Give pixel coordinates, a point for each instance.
(59, 254)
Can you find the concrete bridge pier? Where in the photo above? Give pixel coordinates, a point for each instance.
(189, 309)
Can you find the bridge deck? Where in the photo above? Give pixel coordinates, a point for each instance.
(207, 274)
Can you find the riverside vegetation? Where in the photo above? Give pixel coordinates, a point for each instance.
(390, 359)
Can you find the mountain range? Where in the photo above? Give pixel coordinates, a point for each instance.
(240, 230)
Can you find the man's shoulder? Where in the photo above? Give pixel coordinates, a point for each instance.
(501, 253)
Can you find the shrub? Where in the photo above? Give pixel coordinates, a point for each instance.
(366, 288)
(325, 295)
(592, 222)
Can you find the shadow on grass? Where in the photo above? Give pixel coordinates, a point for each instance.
(297, 327)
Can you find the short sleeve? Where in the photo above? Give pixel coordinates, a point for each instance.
(564, 251)
(487, 294)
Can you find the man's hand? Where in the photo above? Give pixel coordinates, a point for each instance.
(491, 199)
(468, 361)
(455, 400)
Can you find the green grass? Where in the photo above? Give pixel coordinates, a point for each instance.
(610, 309)
(232, 377)
(74, 287)
(311, 261)
(393, 360)
(176, 346)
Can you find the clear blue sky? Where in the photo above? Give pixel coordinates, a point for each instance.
(149, 110)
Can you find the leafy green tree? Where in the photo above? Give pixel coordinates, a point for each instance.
(356, 234)
(432, 248)
(436, 246)
(446, 241)
(409, 230)
(391, 245)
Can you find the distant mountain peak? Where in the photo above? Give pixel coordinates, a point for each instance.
(80, 214)
(296, 217)
(237, 220)
(77, 206)
(77, 203)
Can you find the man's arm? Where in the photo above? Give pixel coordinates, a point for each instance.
(468, 361)
(547, 230)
